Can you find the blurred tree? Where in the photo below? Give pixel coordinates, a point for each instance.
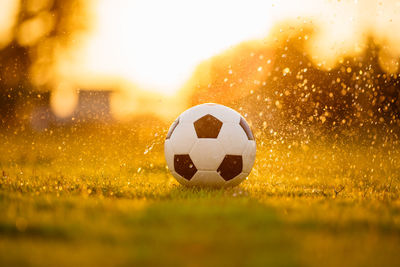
(27, 62)
(297, 97)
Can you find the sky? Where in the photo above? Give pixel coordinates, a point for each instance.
(158, 44)
(154, 46)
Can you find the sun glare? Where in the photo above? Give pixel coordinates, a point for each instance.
(157, 44)
(8, 12)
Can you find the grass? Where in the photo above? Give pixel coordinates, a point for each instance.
(102, 196)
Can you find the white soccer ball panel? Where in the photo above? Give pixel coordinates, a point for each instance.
(224, 114)
(207, 178)
(233, 138)
(207, 154)
(237, 180)
(183, 138)
(249, 156)
(169, 155)
(194, 113)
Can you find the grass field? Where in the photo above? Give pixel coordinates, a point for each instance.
(103, 197)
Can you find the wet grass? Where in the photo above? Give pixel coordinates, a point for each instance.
(103, 198)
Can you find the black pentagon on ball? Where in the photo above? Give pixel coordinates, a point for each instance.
(184, 166)
(172, 128)
(207, 126)
(231, 166)
(246, 129)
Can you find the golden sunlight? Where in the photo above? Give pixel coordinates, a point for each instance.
(155, 46)
(8, 12)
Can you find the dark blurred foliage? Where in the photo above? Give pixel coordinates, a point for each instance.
(14, 65)
(297, 98)
(18, 93)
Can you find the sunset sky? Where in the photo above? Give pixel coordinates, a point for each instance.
(157, 44)
(154, 46)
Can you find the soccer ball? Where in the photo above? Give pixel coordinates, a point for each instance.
(210, 145)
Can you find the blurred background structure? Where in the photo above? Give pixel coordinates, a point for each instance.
(325, 65)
